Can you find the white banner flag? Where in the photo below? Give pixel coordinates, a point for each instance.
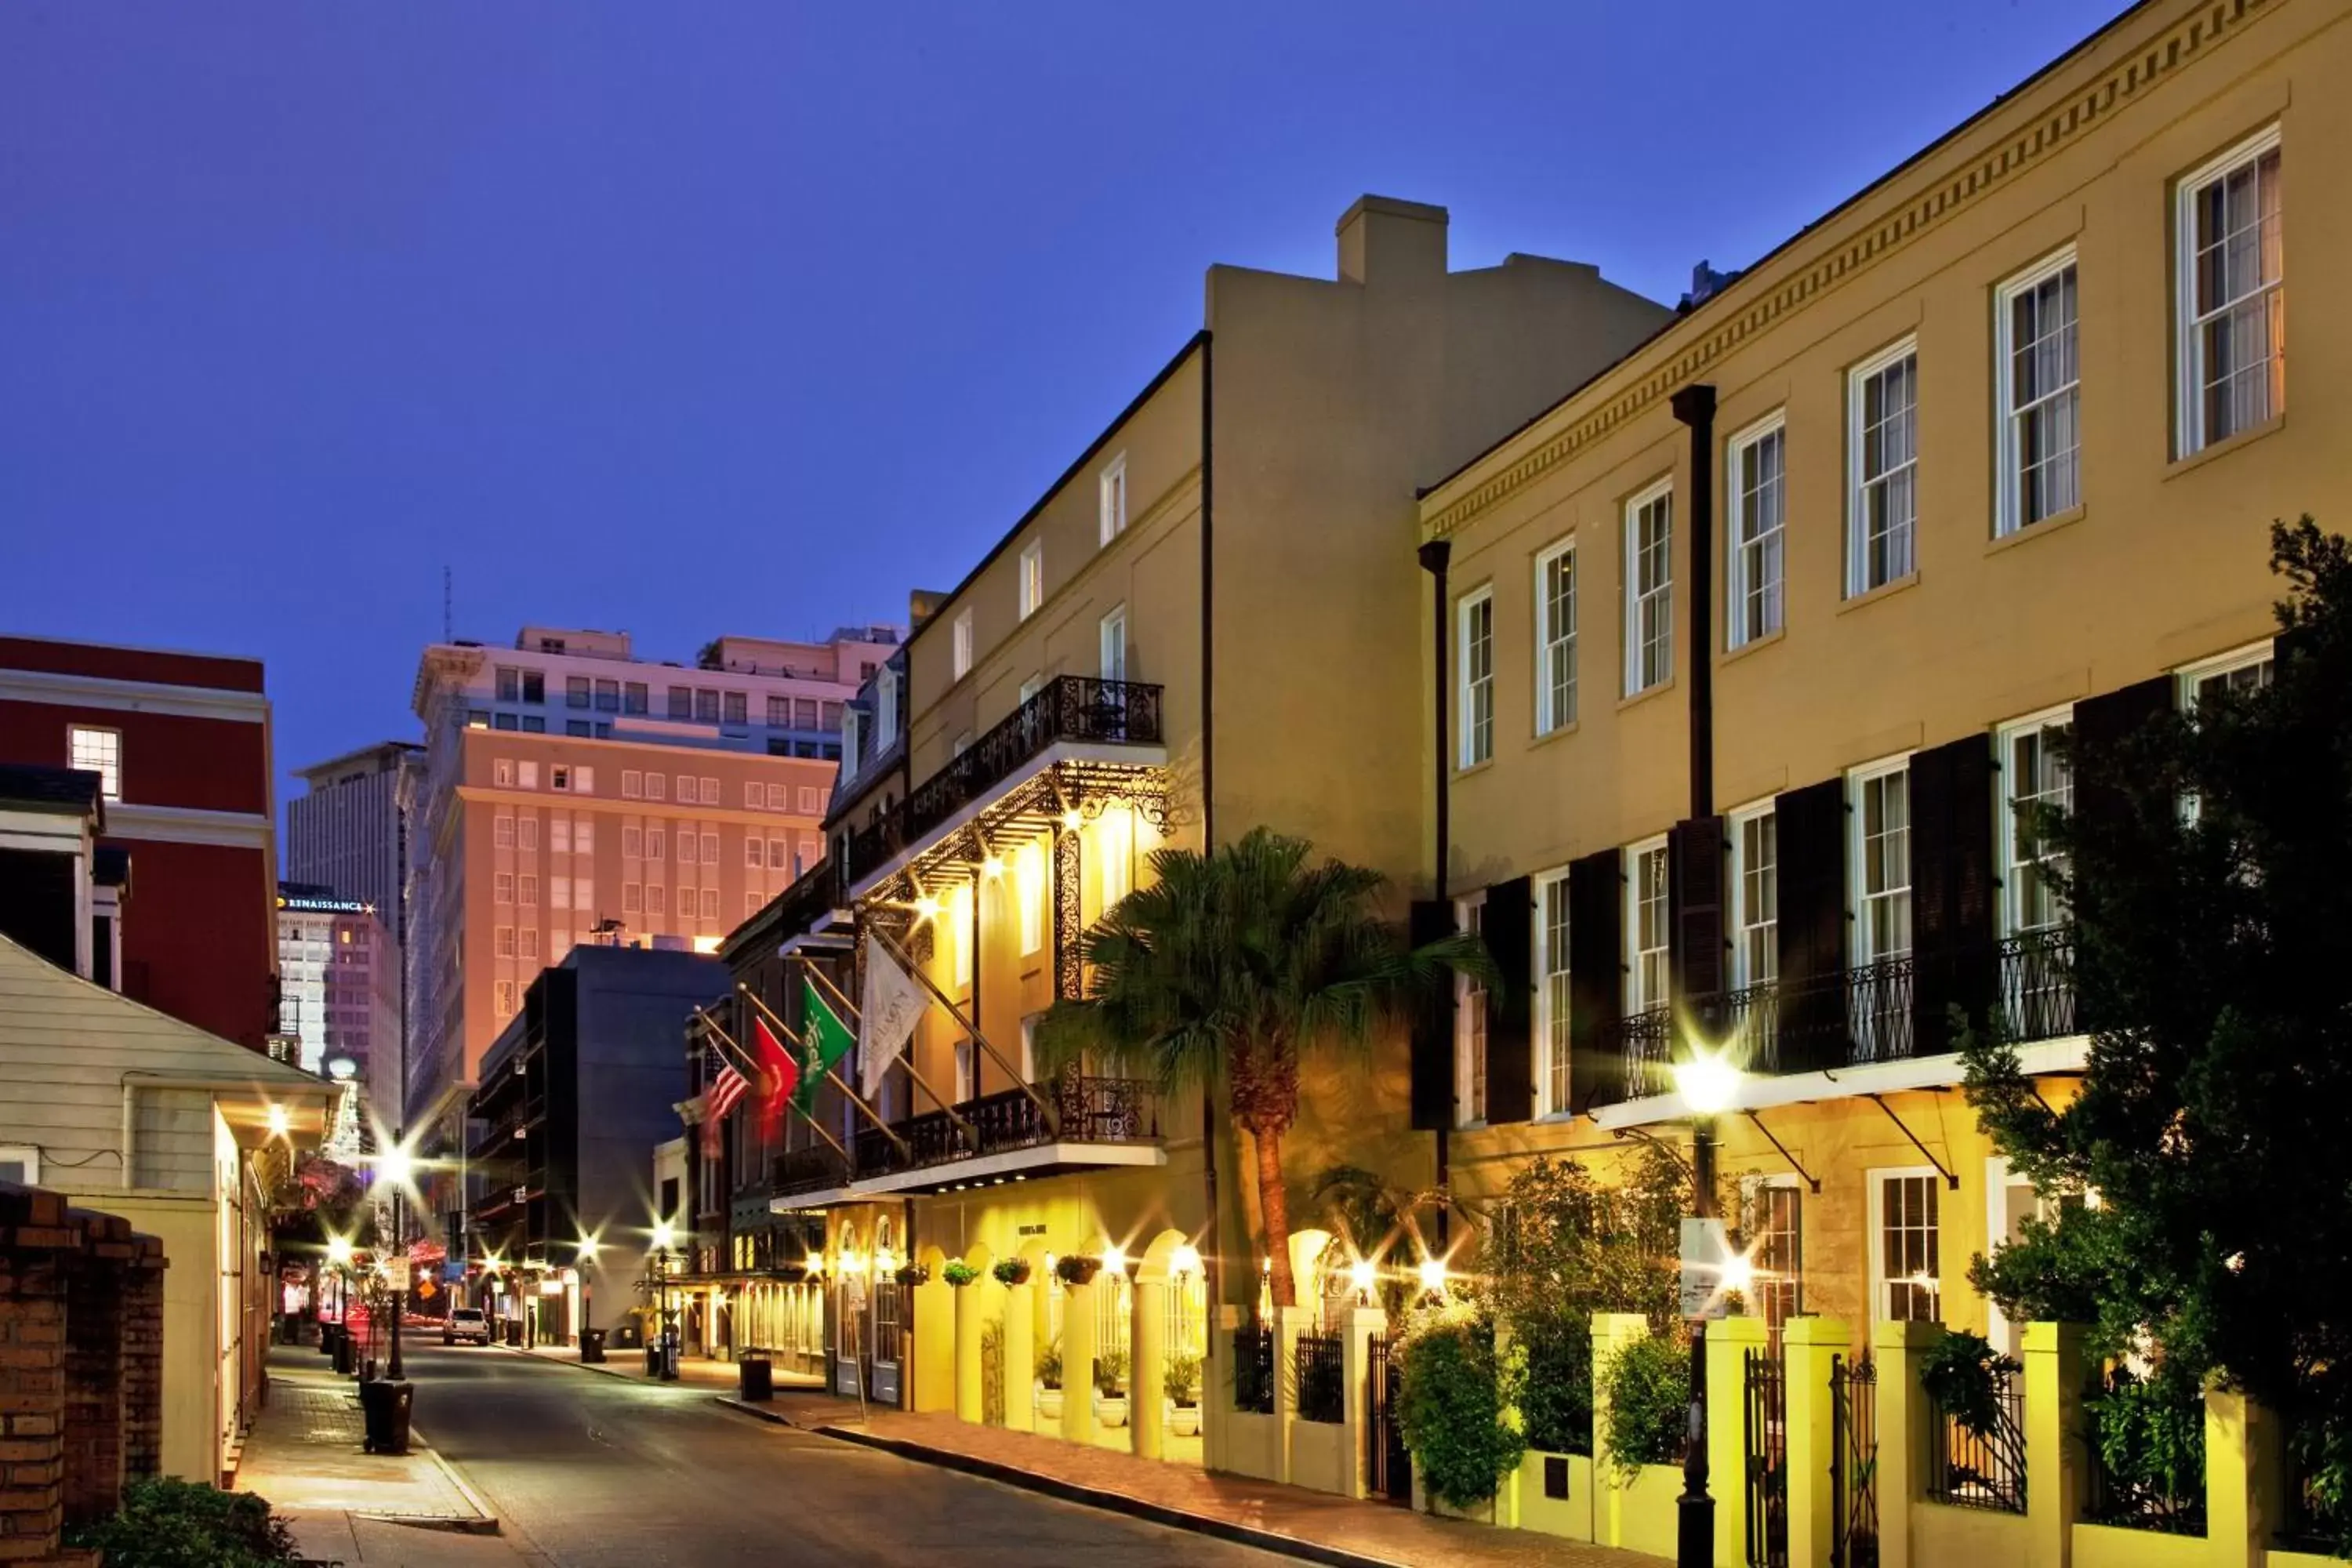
(892, 1004)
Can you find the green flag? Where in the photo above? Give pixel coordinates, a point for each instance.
(828, 1039)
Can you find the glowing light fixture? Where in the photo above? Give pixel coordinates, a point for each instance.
(993, 867)
(1114, 1260)
(279, 1122)
(1185, 1260)
(588, 1249)
(339, 1250)
(664, 1237)
(1739, 1273)
(1363, 1276)
(1706, 1082)
(927, 908)
(1070, 820)
(1433, 1276)
(397, 1165)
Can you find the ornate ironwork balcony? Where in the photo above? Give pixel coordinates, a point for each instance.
(1085, 1110)
(1069, 707)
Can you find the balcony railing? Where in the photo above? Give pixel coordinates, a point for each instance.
(1069, 707)
(1085, 1110)
(2025, 986)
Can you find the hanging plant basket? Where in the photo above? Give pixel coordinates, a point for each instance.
(1077, 1269)
(1012, 1271)
(959, 1273)
(913, 1274)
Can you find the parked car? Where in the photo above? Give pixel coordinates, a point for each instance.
(465, 1323)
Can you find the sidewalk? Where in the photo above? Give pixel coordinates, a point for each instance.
(409, 1511)
(1315, 1525)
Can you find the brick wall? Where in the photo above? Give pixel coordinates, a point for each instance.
(81, 1366)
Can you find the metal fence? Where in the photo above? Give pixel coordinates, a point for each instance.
(1970, 1468)
(1319, 1365)
(2174, 1505)
(1854, 1463)
(1254, 1369)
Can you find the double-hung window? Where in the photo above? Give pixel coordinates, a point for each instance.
(2034, 779)
(96, 750)
(1754, 896)
(1556, 638)
(1758, 509)
(1878, 1002)
(1649, 589)
(2244, 670)
(1470, 1020)
(1474, 658)
(1907, 1257)
(962, 648)
(1033, 577)
(2232, 328)
(578, 691)
(1551, 995)
(1883, 502)
(2037, 380)
(1773, 1219)
(1113, 497)
(1645, 927)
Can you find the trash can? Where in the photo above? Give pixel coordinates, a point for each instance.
(514, 1333)
(385, 1407)
(755, 1377)
(346, 1355)
(326, 1341)
(653, 1358)
(592, 1346)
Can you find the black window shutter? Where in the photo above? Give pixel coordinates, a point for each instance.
(1695, 897)
(1811, 826)
(1953, 960)
(1596, 993)
(2102, 725)
(1509, 925)
(1433, 1025)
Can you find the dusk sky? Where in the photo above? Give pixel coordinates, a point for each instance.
(688, 319)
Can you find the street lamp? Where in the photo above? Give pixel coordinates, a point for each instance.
(588, 1249)
(1707, 1084)
(398, 1166)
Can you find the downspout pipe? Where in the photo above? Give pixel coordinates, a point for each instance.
(1436, 556)
(1694, 406)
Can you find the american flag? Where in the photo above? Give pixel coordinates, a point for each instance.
(725, 1090)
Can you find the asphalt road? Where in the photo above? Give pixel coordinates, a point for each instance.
(599, 1472)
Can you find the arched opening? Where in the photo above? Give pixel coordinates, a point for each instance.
(933, 1330)
(1170, 1340)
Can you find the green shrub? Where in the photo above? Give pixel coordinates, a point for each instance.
(1182, 1379)
(1647, 1383)
(1556, 1403)
(959, 1273)
(1963, 1374)
(1110, 1371)
(2150, 1433)
(1458, 1406)
(179, 1524)
(1010, 1270)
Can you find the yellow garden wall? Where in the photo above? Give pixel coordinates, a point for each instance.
(1945, 1537)
(1569, 1517)
(1318, 1454)
(1253, 1445)
(2105, 1546)
(1647, 1515)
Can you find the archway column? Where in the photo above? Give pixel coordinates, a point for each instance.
(969, 1403)
(1078, 1363)
(1147, 1420)
(1020, 1357)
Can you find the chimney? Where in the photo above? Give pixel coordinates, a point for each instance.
(1392, 239)
(922, 603)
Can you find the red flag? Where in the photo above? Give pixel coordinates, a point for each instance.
(780, 1071)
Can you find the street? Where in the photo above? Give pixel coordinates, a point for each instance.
(597, 1472)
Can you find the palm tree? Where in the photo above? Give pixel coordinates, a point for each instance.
(1230, 967)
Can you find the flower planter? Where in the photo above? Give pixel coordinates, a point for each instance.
(1049, 1403)
(1077, 1269)
(1012, 1271)
(1184, 1420)
(1110, 1409)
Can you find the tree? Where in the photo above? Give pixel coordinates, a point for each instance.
(2208, 870)
(1232, 967)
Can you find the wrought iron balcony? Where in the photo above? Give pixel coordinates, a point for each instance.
(1085, 1110)
(1069, 707)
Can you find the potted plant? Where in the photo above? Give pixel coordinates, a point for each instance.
(959, 1273)
(1012, 1271)
(1076, 1268)
(1049, 1381)
(1110, 1387)
(1183, 1385)
(913, 1274)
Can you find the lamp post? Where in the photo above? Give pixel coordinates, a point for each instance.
(1707, 1084)
(396, 1164)
(588, 1249)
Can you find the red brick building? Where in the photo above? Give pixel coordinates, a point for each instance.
(183, 744)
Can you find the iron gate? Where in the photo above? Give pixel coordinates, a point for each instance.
(1388, 1465)
(1767, 1455)
(1854, 1463)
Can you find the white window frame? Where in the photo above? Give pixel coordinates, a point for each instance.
(1552, 1067)
(1751, 1204)
(2189, 343)
(1638, 994)
(108, 766)
(27, 1154)
(1771, 545)
(527, 774)
(1556, 639)
(1862, 949)
(502, 831)
(1111, 497)
(527, 832)
(1029, 890)
(1472, 1070)
(1745, 970)
(1033, 577)
(2009, 481)
(1874, 1239)
(2014, 868)
(1474, 678)
(2193, 676)
(1859, 482)
(1659, 595)
(962, 644)
(502, 772)
(1112, 633)
(502, 886)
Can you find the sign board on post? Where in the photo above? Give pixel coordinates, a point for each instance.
(395, 1273)
(1705, 1250)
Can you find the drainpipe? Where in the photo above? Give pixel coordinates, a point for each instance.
(1694, 406)
(1211, 1270)
(1434, 556)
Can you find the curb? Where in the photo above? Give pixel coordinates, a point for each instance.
(485, 1520)
(1111, 1503)
(757, 1412)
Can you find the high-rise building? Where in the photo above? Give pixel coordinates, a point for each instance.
(572, 793)
(180, 744)
(346, 833)
(339, 998)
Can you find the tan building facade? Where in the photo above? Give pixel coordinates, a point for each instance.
(1755, 645)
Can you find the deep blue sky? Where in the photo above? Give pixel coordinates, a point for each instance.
(686, 318)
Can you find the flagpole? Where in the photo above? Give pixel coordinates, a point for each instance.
(711, 1023)
(761, 1073)
(887, 1129)
(908, 1056)
(956, 1013)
